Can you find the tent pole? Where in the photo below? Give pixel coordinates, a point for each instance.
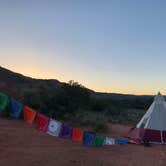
(161, 134)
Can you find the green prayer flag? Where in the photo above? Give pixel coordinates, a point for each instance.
(99, 140)
(3, 101)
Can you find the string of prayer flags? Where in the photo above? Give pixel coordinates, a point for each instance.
(42, 122)
(3, 101)
(54, 127)
(77, 135)
(15, 108)
(98, 141)
(109, 141)
(29, 115)
(88, 138)
(66, 131)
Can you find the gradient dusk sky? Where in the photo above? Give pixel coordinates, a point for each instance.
(106, 45)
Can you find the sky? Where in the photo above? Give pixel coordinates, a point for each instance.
(116, 46)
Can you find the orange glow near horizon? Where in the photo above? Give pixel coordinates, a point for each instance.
(39, 73)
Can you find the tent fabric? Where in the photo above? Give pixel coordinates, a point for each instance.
(139, 134)
(136, 142)
(98, 141)
(152, 135)
(77, 135)
(136, 134)
(15, 108)
(164, 136)
(109, 141)
(66, 131)
(42, 122)
(153, 124)
(154, 118)
(88, 138)
(3, 101)
(54, 128)
(29, 115)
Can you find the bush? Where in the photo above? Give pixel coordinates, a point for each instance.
(73, 103)
(101, 127)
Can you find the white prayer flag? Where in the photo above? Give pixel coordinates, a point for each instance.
(109, 141)
(54, 127)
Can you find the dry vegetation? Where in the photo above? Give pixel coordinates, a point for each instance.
(73, 103)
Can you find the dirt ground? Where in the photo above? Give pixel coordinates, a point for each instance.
(22, 145)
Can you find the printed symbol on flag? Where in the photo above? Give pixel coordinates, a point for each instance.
(53, 127)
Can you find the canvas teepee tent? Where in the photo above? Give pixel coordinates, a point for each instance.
(152, 127)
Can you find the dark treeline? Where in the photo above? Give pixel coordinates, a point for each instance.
(78, 105)
(73, 103)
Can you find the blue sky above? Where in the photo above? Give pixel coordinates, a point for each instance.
(106, 45)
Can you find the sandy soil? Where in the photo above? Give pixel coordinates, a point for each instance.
(21, 145)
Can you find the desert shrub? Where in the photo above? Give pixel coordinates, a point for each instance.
(101, 126)
(73, 103)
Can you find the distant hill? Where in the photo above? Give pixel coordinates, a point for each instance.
(73, 102)
(11, 82)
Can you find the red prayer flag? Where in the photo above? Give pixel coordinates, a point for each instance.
(42, 122)
(29, 115)
(77, 135)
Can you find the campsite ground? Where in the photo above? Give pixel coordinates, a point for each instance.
(21, 145)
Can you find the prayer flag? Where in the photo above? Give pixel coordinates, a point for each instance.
(15, 108)
(77, 135)
(29, 115)
(121, 141)
(54, 127)
(109, 141)
(42, 122)
(99, 141)
(66, 132)
(3, 101)
(88, 138)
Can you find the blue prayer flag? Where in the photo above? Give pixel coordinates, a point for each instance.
(88, 138)
(15, 108)
(121, 141)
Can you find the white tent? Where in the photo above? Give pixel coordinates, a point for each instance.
(152, 126)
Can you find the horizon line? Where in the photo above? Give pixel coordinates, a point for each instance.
(93, 89)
